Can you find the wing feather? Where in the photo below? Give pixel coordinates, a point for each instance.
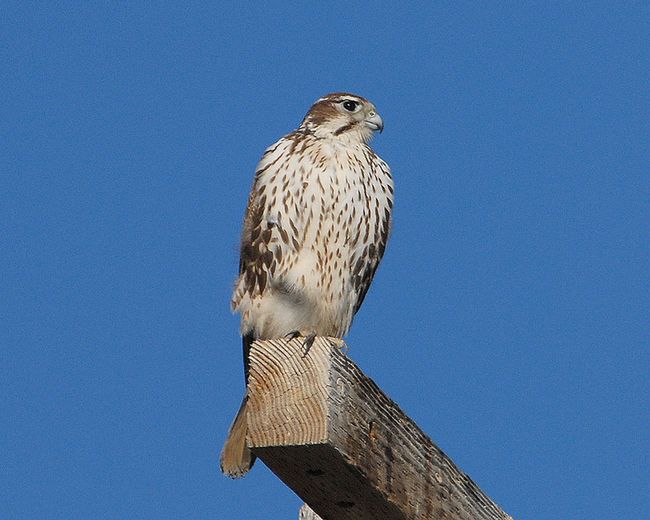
(368, 258)
(271, 225)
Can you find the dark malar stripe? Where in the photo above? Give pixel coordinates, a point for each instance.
(344, 129)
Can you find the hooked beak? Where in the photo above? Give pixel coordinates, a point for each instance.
(374, 122)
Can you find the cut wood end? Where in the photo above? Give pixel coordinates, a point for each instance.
(288, 392)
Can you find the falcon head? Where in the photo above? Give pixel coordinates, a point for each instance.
(344, 116)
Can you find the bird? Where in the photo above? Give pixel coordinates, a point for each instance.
(316, 226)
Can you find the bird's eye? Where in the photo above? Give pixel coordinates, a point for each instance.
(350, 106)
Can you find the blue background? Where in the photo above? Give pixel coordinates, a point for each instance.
(510, 317)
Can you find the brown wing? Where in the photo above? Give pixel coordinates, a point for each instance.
(271, 225)
(381, 205)
(366, 265)
(256, 258)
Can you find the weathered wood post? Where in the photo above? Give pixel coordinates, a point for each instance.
(307, 513)
(346, 449)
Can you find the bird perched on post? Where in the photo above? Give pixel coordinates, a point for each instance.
(315, 229)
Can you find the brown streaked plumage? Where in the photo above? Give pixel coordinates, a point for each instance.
(315, 229)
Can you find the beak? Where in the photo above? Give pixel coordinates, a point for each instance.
(374, 122)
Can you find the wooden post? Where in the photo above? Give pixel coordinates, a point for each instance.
(307, 513)
(346, 449)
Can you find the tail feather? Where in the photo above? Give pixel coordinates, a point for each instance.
(236, 456)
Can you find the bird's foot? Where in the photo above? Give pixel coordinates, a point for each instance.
(293, 335)
(308, 341)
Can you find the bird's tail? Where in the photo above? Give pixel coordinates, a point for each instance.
(236, 456)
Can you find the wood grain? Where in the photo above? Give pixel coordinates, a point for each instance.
(344, 447)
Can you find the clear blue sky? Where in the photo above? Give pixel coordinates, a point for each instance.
(510, 317)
